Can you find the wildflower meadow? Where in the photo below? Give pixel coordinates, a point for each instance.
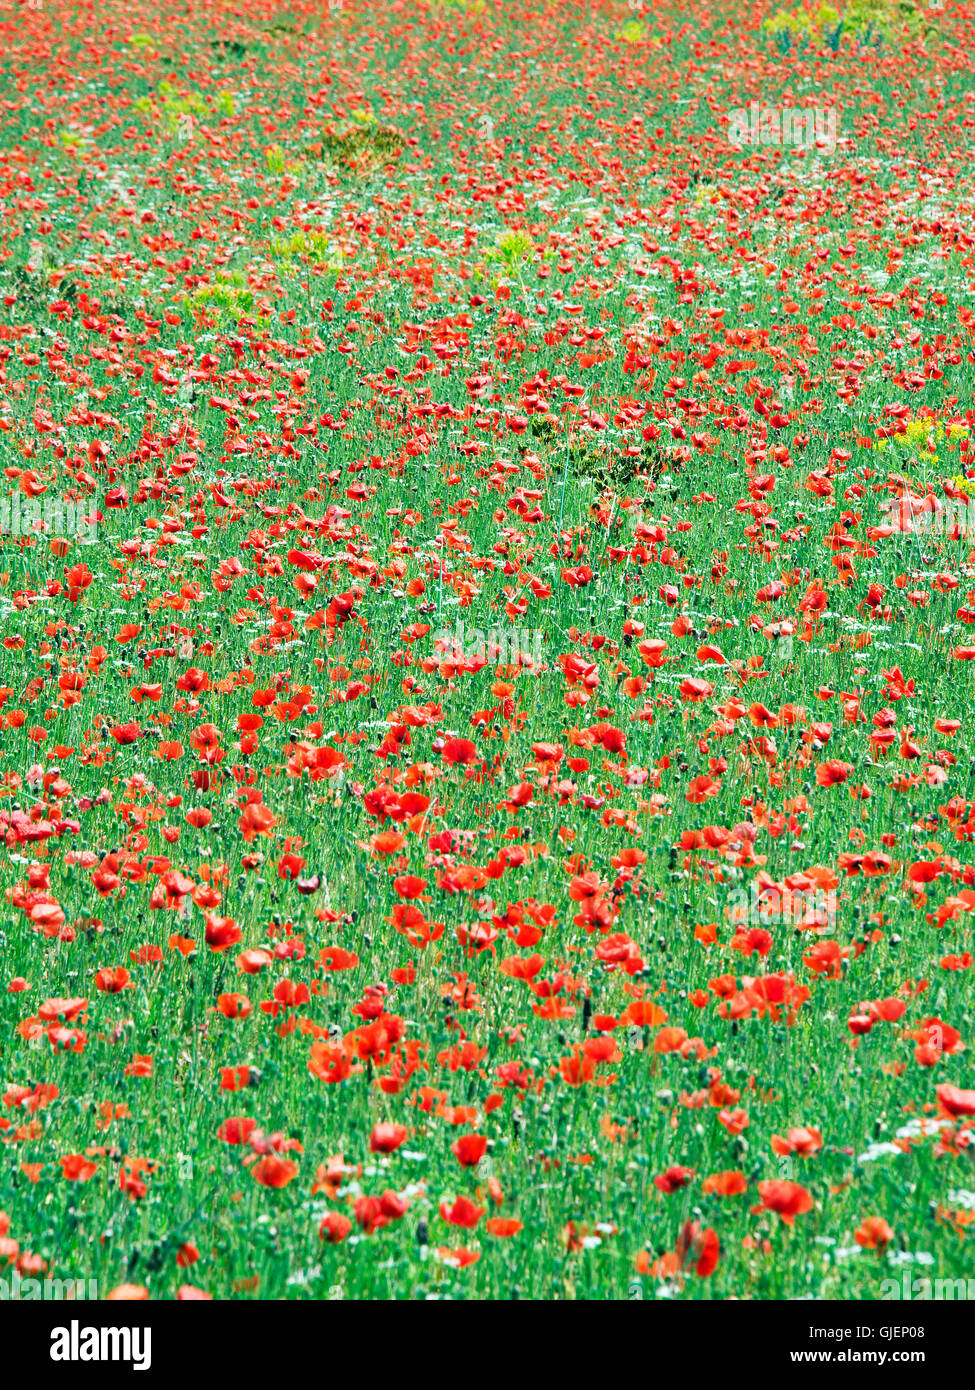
(487, 660)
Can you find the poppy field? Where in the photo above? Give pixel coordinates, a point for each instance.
(487, 665)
